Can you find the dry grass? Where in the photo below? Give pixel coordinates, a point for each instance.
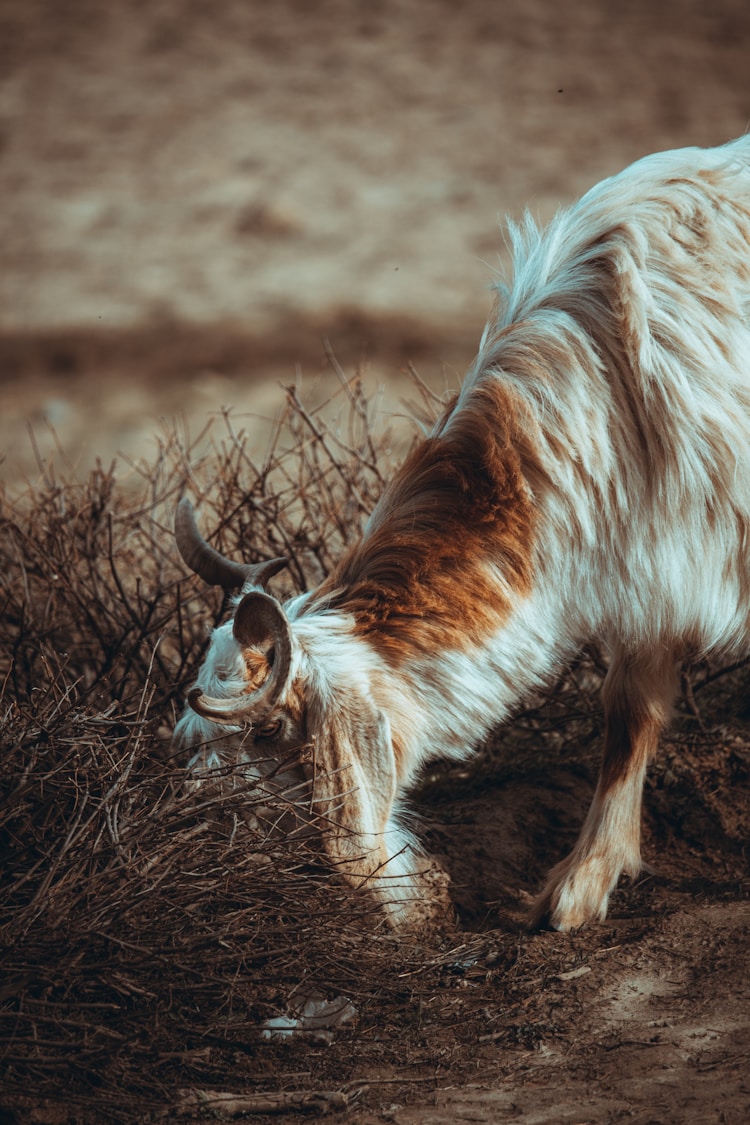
(148, 929)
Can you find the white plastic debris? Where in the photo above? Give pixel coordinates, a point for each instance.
(315, 1018)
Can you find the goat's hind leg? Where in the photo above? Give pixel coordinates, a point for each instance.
(638, 695)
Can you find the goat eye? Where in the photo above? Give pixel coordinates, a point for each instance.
(268, 730)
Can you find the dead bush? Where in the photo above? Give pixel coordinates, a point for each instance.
(148, 930)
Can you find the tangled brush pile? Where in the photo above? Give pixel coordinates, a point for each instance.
(143, 923)
(149, 929)
(161, 944)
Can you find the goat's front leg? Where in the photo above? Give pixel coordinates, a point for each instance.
(638, 695)
(354, 797)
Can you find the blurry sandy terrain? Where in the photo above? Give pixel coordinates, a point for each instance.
(194, 195)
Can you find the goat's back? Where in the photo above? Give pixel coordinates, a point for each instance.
(625, 335)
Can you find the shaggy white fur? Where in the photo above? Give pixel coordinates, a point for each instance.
(591, 480)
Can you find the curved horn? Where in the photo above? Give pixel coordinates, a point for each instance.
(214, 568)
(259, 618)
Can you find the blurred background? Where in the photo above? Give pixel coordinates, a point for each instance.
(195, 196)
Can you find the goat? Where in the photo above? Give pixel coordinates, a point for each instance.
(591, 480)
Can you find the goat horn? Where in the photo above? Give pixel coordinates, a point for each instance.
(259, 618)
(214, 568)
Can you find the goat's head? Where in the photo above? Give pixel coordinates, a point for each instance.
(290, 695)
(243, 698)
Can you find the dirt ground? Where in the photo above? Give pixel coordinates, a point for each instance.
(194, 198)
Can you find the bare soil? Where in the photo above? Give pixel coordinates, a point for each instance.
(194, 196)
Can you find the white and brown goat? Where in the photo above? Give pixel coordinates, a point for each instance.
(590, 480)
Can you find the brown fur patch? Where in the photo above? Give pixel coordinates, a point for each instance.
(256, 668)
(419, 580)
(630, 742)
(638, 697)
